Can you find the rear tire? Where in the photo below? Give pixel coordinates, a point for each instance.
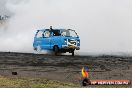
(38, 48)
(56, 50)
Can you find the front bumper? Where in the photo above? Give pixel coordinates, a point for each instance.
(70, 47)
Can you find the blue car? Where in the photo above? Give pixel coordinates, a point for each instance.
(57, 40)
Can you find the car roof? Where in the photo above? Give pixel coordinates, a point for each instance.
(53, 29)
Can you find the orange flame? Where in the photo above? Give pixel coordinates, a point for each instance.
(85, 73)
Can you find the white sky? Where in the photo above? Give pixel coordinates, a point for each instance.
(104, 26)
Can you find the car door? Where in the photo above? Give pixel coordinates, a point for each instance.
(56, 39)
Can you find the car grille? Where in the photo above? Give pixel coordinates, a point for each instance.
(72, 41)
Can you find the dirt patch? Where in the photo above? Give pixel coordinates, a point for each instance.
(65, 68)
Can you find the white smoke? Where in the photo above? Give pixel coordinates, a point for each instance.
(104, 26)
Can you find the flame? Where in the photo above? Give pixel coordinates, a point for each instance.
(85, 73)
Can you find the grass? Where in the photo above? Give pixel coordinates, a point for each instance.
(8, 82)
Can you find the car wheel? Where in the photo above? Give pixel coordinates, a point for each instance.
(73, 53)
(56, 50)
(38, 49)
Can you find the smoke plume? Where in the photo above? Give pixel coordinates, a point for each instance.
(104, 26)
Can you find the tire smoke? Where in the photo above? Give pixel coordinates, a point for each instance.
(104, 26)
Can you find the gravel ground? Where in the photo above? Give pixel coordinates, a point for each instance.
(65, 68)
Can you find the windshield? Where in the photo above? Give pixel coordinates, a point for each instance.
(70, 32)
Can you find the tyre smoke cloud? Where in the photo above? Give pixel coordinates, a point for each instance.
(104, 26)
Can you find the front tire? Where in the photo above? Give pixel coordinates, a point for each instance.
(73, 53)
(56, 50)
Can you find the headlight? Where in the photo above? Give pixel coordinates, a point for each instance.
(65, 40)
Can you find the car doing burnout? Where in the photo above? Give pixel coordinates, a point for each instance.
(58, 40)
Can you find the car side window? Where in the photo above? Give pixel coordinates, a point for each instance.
(46, 34)
(39, 34)
(56, 33)
(63, 34)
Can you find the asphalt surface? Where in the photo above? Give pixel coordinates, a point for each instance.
(65, 68)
